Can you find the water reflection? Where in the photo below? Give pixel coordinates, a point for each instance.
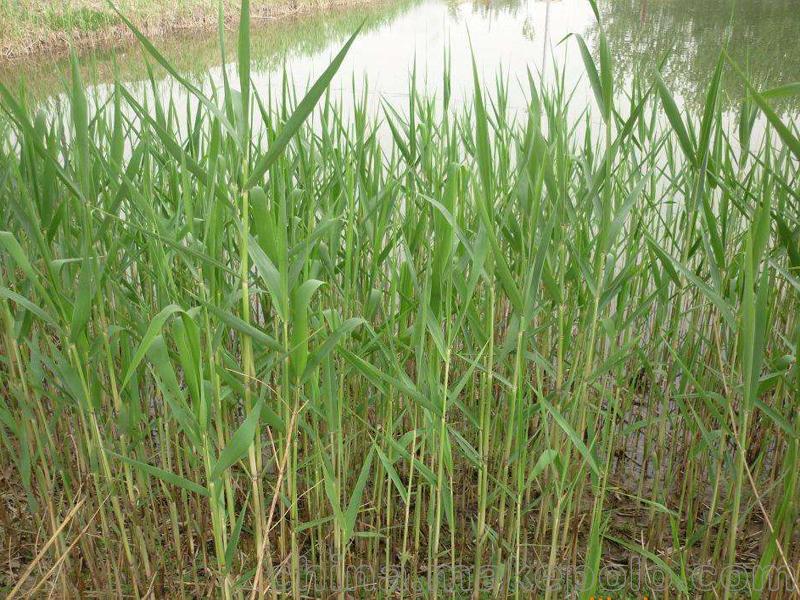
(510, 35)
(194, 54)
(759, 34)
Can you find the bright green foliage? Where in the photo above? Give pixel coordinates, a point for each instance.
(243, 329)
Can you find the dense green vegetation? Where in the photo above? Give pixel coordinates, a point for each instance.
(246, 340)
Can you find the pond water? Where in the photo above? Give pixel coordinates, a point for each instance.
(506, 36)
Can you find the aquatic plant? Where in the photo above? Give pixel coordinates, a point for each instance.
(247, 340)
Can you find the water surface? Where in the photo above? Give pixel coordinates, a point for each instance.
(507, 37)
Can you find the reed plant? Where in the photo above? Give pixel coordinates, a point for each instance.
(253, 348)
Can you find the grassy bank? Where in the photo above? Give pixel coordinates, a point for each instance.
(446, 352)
(33, 27)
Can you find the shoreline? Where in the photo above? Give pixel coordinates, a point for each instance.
(57, 44)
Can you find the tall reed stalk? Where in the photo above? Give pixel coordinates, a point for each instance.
(251, 346)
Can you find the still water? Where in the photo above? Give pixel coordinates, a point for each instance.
(506, 37)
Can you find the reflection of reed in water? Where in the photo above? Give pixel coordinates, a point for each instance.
(690, 34)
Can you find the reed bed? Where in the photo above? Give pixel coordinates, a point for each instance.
(252, 348)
